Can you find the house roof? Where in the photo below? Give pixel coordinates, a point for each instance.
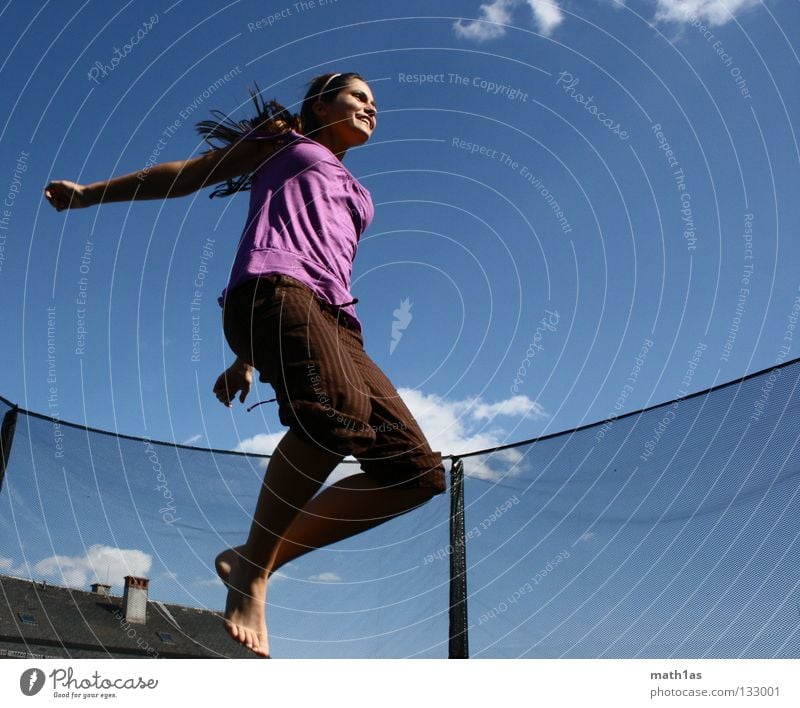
(61, 621)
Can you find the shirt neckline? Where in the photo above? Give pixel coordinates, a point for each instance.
(330, 152)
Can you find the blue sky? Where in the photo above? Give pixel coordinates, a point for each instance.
(586, 207)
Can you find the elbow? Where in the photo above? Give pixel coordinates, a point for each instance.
(178, 181)
(162, 182)
(179, 191)
(182, 185)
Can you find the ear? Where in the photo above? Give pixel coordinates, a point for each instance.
(320, 109)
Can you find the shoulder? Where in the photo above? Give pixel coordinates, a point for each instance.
(286, 142)
(285, 137)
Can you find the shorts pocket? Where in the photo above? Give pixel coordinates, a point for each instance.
(251, 312)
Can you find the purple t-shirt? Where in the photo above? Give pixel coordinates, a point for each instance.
(307, 213)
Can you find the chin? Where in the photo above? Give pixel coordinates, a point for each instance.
(361, 136)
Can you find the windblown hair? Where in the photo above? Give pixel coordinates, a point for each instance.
(270, 118)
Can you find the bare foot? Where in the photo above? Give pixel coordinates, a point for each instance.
(245, 620)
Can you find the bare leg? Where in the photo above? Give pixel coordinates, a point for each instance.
(294, 474)
(344, 509)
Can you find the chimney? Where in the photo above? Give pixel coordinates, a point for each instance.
(134, 601)
(101, 589)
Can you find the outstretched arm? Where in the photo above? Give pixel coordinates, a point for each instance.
(164, 180)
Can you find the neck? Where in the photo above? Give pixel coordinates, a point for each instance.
(324, 137)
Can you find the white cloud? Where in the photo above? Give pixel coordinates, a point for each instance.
(548, 14)
(326, 578)
(713, 12)
(100, 563)
(452, 427)
(516, 406)
(497, 11)
(6, 563)
(262, 444)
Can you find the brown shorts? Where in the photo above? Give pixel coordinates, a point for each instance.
(329, 390)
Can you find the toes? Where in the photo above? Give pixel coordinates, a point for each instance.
(258, 646)
(249, 638)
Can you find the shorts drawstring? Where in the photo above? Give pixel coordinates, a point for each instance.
(261, 403)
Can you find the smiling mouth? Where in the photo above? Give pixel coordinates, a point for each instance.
(367, 121)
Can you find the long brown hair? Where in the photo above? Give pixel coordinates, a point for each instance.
(271, 118)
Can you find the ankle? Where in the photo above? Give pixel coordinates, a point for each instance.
(251, 568)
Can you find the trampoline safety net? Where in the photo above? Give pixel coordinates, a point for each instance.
(666, 533)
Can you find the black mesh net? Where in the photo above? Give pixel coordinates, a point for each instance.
(79, 506)
(671, 532)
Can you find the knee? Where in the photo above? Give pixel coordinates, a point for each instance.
(420, 481)
(435, 481)
(440, 488)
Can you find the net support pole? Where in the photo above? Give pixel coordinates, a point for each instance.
(6, 436)
(459, 644)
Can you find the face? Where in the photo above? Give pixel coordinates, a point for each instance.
(351, 116)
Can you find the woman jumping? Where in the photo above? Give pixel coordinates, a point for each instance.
(288, 313)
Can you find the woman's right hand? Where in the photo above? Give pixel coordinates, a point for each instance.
(238, 378)
(67, 195)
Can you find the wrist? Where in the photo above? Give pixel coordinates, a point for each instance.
(242, 364)
(91, 193)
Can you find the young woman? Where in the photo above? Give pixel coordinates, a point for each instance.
(288, 313)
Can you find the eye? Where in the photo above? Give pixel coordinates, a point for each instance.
(363, 97)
